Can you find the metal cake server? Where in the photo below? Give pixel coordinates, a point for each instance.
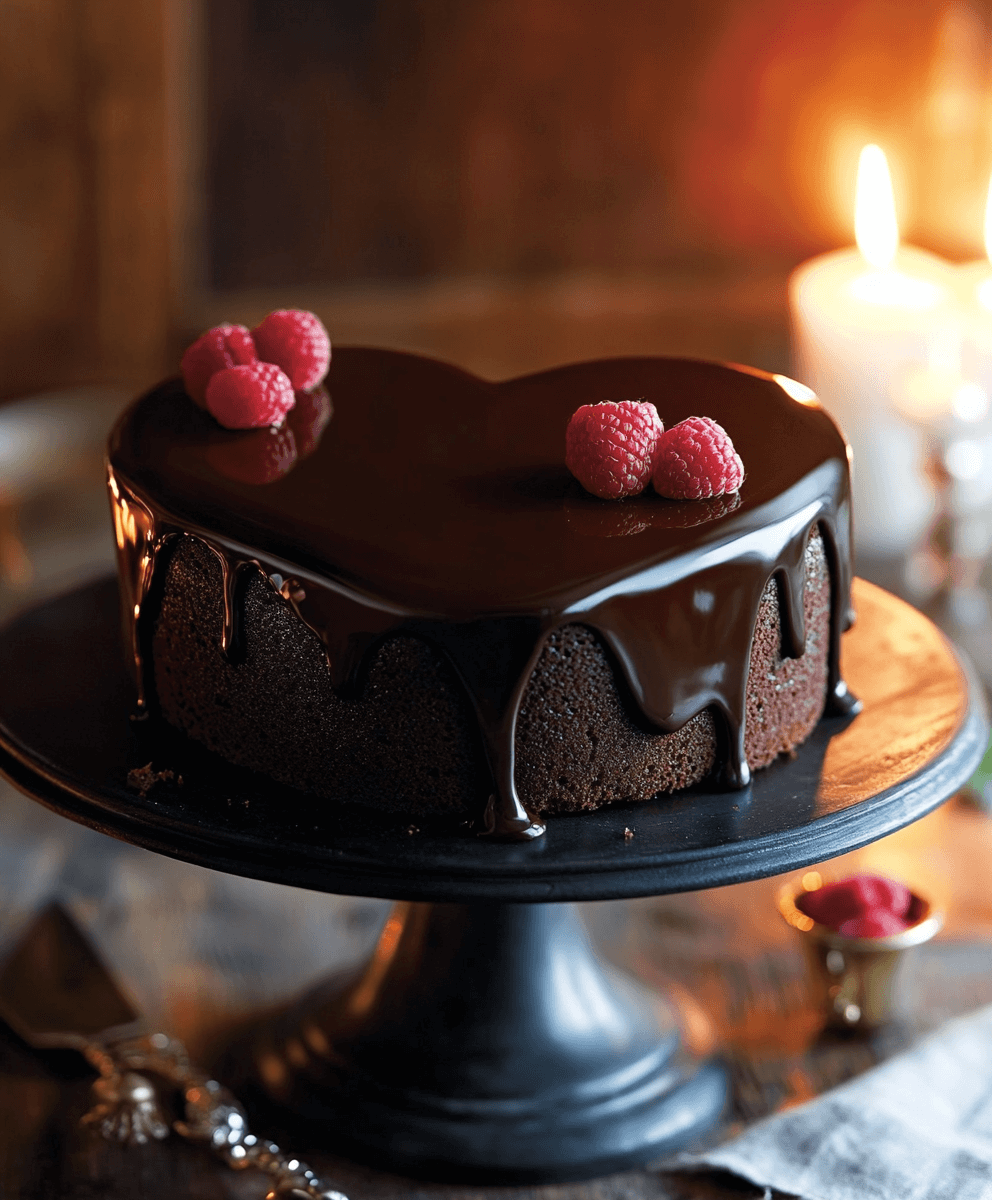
(56, 993)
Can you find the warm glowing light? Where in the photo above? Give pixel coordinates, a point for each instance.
(787, 901)
(988, 222)
(877, 235)
(965, 458)
(273, 1070)
(927, 394)
(969, 402)
(875, 228)
(894, 289)
(985, 289)
(316, 1039)
(296, 1052)
(798, 391)
(362, 996)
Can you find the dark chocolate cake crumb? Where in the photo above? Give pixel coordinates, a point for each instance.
(144, 779)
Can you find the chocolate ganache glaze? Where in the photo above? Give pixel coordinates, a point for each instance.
(437, 505)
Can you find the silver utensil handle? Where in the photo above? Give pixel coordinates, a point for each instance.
(127, 1108)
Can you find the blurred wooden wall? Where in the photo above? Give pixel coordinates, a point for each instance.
(165, 163)
(422, 138)
(85, 281)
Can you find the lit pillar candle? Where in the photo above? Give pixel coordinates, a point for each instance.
(860, 319)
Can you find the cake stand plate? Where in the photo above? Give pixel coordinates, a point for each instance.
(484, 1040)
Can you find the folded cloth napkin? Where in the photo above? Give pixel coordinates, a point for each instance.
(919, 1127)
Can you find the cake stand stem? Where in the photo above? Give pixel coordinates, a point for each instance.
(487, 1042)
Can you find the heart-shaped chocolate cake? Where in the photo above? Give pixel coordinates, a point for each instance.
(402, 598)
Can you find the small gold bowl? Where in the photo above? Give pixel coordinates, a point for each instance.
(855, 980)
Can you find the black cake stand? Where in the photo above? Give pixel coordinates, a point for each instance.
(484, 1039)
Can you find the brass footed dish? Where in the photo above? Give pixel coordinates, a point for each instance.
(855, 981)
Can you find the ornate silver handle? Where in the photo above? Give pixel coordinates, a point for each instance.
(127, 1109)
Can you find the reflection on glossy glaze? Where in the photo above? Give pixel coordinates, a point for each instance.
(437, 505)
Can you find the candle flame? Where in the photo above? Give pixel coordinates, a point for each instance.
(875, 228)
(988, 222)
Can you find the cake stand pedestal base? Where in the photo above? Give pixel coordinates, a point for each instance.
(485, 1041)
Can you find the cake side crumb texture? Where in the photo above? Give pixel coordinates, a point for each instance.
(405, 745)
(409, 742)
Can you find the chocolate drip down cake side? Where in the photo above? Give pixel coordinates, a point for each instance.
(401, 597)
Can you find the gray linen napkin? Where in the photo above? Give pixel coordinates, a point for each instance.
(919, 1127)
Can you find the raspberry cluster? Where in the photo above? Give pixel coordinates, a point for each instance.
(861, 906)
(613, 449)
(246, 378)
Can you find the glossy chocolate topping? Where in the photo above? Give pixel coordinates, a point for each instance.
(431, 502)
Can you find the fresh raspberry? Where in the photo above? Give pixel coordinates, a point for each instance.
(696, 460)
(610, 447)
(876, 924)
(220, 347)
(251, 396)
(310, 417)
(875, 891)
(848, 899)
(296, 341)
(260, 456)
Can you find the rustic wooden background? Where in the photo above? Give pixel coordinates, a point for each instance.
(164, 161)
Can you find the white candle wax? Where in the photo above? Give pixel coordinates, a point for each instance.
(857, 330)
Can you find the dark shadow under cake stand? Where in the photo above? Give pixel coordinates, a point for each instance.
(484, 1040)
